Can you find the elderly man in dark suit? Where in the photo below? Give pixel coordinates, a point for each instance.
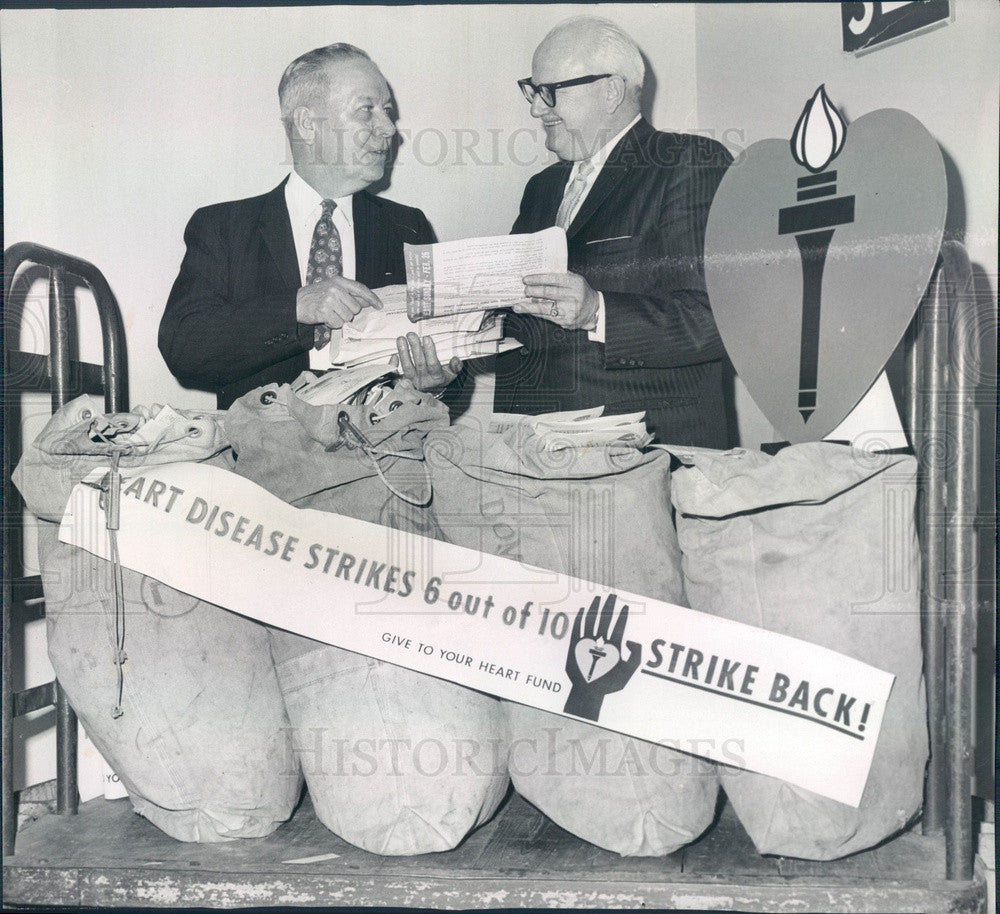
(266, 280)
(629, 326)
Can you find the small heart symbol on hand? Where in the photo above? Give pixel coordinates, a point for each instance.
(595, 658)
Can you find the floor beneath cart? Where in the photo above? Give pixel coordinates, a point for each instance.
(109, 857)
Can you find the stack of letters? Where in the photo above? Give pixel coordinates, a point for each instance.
(371, 337)
(580, 428)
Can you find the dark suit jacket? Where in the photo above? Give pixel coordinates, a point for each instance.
(638, 238)
(229, 325)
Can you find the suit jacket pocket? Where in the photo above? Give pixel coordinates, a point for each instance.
(609, 246)
(615, 264)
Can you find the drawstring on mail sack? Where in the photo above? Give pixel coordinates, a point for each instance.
(350, 430)
(110, 502)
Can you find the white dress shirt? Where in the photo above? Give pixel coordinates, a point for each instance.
(597, 160)
(305, 206)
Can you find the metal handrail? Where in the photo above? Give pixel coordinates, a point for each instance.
(960, 585)
(941, 408)
(112, 327)
(931, 383)
(114, 374)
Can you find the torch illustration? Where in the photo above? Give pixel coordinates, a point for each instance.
(597, 652)
(816, 141)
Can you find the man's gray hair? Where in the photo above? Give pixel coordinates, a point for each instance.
(614, 50)
(306, 79)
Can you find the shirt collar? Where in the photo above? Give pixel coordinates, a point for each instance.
(303, 200)
(601, 156)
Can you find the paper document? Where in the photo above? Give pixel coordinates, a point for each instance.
(579, 428)
(478, 274)
(370, 339)
(339, 386)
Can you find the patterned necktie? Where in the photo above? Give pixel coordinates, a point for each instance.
(326, 259)
(574, 191)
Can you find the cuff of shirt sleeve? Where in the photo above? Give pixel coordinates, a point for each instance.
(597, 334)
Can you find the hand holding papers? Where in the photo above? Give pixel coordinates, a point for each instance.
(478, 274)
(447, 309)
(419, 362)
(371, 337)
(566, 299)
(333, 302)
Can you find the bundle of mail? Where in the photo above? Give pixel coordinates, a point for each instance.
(455, 294)
(478, 274)
(341, 386)
(579, 428)
(371, 337)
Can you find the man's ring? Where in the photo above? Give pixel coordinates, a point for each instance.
(554, 310)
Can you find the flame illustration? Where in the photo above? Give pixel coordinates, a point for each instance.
(819, 134)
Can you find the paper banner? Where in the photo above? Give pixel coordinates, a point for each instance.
(660, 672)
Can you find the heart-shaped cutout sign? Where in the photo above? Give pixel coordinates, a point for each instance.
(809, 332)
(595, 658)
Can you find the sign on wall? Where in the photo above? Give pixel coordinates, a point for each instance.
(867, 26)
(817, 253)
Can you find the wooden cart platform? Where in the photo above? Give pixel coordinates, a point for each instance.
(109, 857)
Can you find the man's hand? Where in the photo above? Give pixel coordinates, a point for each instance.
(333, 302)
(418, 360)
(569, 302)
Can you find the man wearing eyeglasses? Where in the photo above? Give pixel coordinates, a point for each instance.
(629, 326)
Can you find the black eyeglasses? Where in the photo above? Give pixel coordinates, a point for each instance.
(547, 91)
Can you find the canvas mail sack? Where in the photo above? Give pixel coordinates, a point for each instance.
(396, 762)
(603, 514)
(195, 727)
(817, 542)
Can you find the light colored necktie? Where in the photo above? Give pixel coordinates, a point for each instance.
(326, 259)
(574, 191)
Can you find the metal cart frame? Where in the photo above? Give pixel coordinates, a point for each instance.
(63, 378)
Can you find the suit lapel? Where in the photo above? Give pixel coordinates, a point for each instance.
(276, 230)
(619, 163)
(368, 243)
(543, 204)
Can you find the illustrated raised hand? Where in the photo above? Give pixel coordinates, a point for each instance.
(595, 664)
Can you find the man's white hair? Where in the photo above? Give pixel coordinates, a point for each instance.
(612, 50)
(306, 80)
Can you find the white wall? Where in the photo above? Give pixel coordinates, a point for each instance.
(118, 124)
